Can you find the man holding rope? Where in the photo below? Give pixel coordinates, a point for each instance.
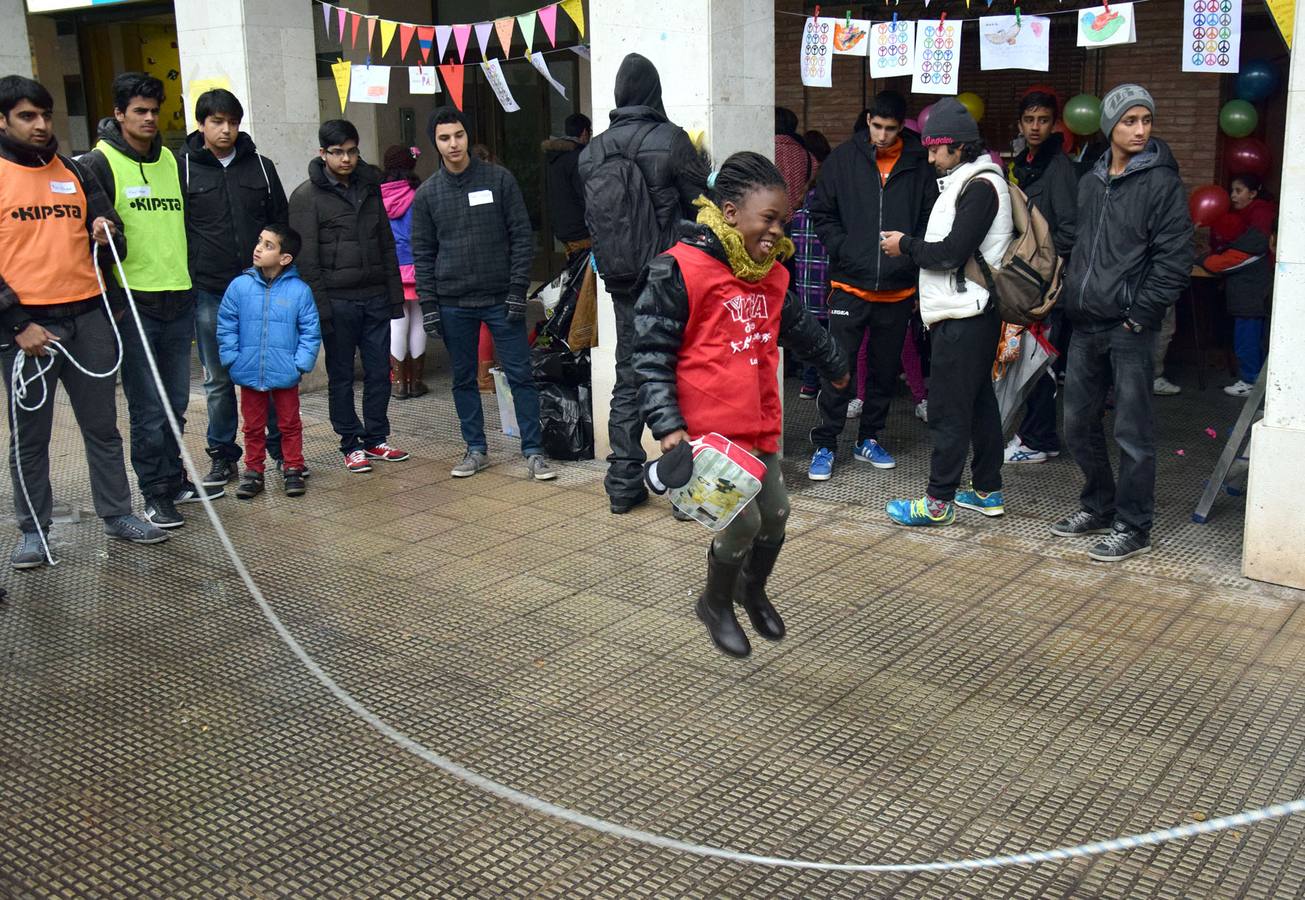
(50, 292)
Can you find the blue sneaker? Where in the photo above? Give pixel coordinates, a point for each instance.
(990, 504)
(872, 452)
(822, 465)
(916, 512)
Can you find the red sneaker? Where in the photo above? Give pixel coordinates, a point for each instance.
(357, 462)
(386, 453)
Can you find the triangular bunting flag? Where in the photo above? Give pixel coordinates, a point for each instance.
(527, 26)
(548, 18)
(371, 33)
(577, 13)
(406, 33)
(341, 70)
(503, 27)
(326, 17)
(482, 37)
(387, 35)
(425, 34)
(453, 81)
(461, 34)
(354, 21)
(339, 28)
(442, 34)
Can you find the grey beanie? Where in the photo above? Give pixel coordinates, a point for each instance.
(1121, 100)
(949, 123)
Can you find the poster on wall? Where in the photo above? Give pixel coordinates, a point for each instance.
(1106, 26)
(369, 84)
(1213, 30)
(817, 52)
(422, 80)
(937, 57)
(1015, 42)
(892, 49)
(850, 36)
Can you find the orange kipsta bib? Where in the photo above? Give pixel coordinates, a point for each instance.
(45, 252)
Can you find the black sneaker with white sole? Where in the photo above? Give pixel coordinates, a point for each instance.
(1122, 543)
(1081, 522)
(191, 494)
(161, 511)
(221, 472)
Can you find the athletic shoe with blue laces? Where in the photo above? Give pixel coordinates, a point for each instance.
(822, 465)
(916, 512)
(990, 504)
(872, 452)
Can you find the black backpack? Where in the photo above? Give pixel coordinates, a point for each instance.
(620, 215)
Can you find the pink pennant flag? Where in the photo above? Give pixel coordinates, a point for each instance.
(504, 28)
(461, 34)
(326, 17)
(353, 24)
(340, 14)
(548, 18)
(371, 33)
(482, 37)
(442, 34)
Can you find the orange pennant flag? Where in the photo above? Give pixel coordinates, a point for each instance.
(503, 27)
(453, 76)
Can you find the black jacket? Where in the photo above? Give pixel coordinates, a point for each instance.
(672, 168)
(565, 189)
(661, 313)
(1133, 253)
(1051, 184)
(852, 206)
(14, 317)
(471, 254)
(348, 251)
(226, 208)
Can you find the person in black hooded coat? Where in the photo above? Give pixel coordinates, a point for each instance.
(676, 176)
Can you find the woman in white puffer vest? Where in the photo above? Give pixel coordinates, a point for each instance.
(972, 215)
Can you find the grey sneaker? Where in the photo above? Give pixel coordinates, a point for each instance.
(28, 554)
(1122, 543)
(539, 468)
(1080, 522)
(473, 462)
(133, 529)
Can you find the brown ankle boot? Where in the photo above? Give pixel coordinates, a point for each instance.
(398, 379)
(416, 368)
(483, 377)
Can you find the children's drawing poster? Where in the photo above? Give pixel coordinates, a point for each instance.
(494, 75)
(1015, 42)
(1107, 26)
(892, 49)
(422, 80)
(370, 84)
(1214, 35)
(817, 52)
(937, 57)
(850, 36)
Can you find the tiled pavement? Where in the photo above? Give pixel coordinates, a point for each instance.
(979, 690)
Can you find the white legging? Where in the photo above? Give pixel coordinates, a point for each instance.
(406, 334)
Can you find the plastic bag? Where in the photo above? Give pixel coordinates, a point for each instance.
(566, 421)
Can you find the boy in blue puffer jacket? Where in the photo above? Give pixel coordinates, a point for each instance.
(268, 336)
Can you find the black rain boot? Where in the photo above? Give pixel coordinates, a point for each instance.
(716, 608)
(751, 591)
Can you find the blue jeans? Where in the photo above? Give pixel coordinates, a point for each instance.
(361, 327)
(1248, 344)
(461, 328)
(223, 413)
(1096, 360)
(154, 453)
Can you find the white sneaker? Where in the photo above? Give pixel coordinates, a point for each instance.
(854, 407)
(1238, 389)
(1017, 452)
(922, 410)
(1163, 387)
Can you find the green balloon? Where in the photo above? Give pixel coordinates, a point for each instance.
(1083, 114)
(1238, 118)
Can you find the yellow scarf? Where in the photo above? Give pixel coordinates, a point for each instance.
(743, 265)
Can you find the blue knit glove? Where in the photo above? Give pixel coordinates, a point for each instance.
(516, 308)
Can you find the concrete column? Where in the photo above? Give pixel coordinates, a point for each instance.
(15, 53)
(1274, 541)
(265, 50)
(716, 60)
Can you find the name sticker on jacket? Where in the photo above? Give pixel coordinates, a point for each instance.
(136, 192)
(63, 187)
(480, 198)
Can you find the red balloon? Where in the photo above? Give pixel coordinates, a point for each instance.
(1247, 156)
(1066, 135)
(1227, 228)
(1207, 204)
(1044, 89)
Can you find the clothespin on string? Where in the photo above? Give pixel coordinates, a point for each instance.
(847, 19)
(1018, 20)
(942, 16)
(816, 14)
(894, 20)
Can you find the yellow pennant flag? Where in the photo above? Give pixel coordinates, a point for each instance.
(574, 9)
(342, 70)
(387, 35)
(1284, 14)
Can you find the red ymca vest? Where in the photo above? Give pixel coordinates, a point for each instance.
(727, 374)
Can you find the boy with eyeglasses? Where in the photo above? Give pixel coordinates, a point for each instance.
(349, 261)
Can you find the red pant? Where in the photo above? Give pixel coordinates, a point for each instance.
(253, 409)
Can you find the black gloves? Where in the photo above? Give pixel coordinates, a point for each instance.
(430, 319)
(673, 470)
(516, 308)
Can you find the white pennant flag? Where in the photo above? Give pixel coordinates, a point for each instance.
(537, 60)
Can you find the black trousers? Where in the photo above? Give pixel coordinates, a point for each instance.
(850, 318)
(625, 422)
(360, 327)
(963, 409)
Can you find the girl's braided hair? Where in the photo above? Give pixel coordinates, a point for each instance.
(739, 174)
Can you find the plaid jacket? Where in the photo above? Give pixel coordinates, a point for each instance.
(811, 265)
